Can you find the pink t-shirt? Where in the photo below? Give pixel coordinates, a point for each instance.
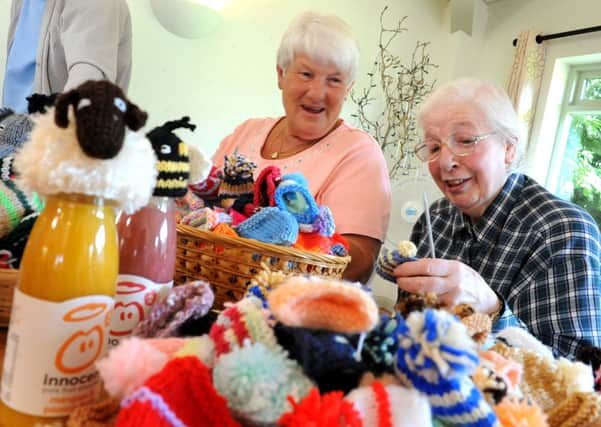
(346, 171)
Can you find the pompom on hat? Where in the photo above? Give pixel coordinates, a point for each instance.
(256, 381)
(270, 225)
(329, 410)
(182, 394)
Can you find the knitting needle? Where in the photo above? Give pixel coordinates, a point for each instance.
(429, 224)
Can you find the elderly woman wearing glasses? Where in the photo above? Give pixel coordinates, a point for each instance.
(505, 244)
(316, 66)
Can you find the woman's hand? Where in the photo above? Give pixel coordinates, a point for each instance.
(452, 281)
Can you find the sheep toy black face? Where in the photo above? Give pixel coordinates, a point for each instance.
(101, 113)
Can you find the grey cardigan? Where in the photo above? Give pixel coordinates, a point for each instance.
(80, 40)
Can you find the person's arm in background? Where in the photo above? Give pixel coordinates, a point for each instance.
(358, 194)
(96, 37)
(364, 252)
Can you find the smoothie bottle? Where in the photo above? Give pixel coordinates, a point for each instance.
(147, 246)
(147, 239)
(58, 326)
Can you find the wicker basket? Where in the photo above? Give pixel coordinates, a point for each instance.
(8, 280)
(229, 263)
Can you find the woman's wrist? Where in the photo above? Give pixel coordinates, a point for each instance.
(495, 315)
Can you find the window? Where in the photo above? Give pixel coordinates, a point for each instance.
(575, 172)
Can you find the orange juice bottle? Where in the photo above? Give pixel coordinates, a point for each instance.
(61, 312)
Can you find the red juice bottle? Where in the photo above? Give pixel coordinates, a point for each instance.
(147, 238)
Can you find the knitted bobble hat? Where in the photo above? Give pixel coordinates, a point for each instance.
(318, 303)
(330, 359)
(265, 186)
(243, 321)
(390, 406)
(293, 195)
(270, 225)
(172, 153)
(15, 205)
(437, 357)
(14, 130)
(238, 183)
(256, 381)
(192, 300)
(182, 394)
(390, 259)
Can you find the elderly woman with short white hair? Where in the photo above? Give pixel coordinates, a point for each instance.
(503, 243)
(344, 166)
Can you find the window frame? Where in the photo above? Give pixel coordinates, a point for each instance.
(571, 103)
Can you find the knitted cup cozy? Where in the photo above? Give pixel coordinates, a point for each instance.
(319, 303)
(189, 301)
(15, 204)
(390, 406)
(182, 394)
(329, 410)
(328, 358)
(270, 225)
(174, 160)
(381, 345)
(323, 224)
(293, 195)
(256, 381)
(436, 356)
(240, 322)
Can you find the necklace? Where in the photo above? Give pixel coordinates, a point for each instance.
(277, 133)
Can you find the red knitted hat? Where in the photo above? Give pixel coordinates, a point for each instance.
(265, 186)
(181, 394)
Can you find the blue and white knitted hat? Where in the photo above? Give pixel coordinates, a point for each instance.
(436, 356)
(292, 195)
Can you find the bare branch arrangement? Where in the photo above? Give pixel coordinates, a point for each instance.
(402, 87)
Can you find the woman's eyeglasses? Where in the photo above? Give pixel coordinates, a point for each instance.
(458, 144)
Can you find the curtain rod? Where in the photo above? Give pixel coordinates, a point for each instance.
(540, 38)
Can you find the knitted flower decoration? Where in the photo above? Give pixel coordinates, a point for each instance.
(256, 380)
(329, 410)
(437, 356)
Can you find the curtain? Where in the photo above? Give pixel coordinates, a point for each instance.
(524, 81)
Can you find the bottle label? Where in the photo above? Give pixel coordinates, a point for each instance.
(134, 297)
(51, 350)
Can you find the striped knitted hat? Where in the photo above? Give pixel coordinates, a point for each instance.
(15, 204)
(174, 161)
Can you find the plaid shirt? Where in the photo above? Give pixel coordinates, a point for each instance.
(538, 252)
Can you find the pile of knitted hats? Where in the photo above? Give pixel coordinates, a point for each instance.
(272, 209)
(18, 208)
(316, 352)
